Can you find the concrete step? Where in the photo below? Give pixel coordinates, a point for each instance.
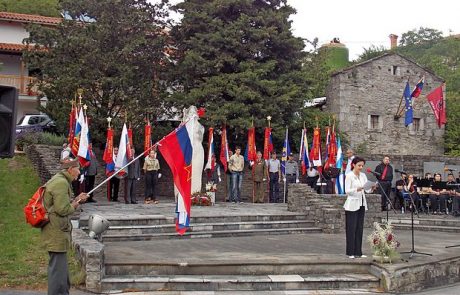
(205, 227)
(442, 220)
(350, 291)
(132, 220)
(240, 283)
(270, 265)
(449, 229)
(209, 234)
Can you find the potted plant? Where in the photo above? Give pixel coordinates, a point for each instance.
(211, 189)
(383, 243)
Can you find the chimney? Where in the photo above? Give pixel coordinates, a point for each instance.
(393, 41)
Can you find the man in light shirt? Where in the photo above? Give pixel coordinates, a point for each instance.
(236, 166)
(274, 172)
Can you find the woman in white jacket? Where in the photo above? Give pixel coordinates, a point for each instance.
(355, 206)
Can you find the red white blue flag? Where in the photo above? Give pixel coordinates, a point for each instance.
(418, 88)
(211, 163)
(122, 156)
(304, 153)
(177, 150)
(84, 156)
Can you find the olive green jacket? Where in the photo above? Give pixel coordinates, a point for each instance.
(58, 192)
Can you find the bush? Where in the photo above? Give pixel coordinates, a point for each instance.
(29, 138)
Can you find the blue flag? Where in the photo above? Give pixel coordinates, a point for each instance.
(408, 99)
(286, 153)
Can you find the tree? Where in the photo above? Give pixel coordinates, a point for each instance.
(240, 61)
(420, 36)
(371, 52)
(40, 7)
(113, 50)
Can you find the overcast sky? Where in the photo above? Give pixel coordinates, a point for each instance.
(362, 23)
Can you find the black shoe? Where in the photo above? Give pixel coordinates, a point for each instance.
(114, 200)
(91, 201)
(133, 202)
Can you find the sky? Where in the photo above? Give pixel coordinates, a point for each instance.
(362, 23)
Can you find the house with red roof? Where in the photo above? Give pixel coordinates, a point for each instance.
(13, 70)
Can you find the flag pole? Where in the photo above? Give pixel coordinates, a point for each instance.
(400, 110)
(269, 118)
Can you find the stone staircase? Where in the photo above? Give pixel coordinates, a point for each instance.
(268, 275)
(140, 228)
(440, 223)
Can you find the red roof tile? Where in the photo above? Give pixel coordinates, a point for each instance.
(29, 18)
(8, 47)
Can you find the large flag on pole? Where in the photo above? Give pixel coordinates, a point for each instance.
(79, 122)
(122, 157)
(268, 143)
(72, 123)
(147, 138)
(251, 154)
(286, 152)
(331, 151)
(177, 150)
(224, 148)
(418, 88)
(436, 100)
(304, 153)
(315, 153)
(84, 156)
(211, 163)
(108, 153)
(340, 181)
(129, 153)
(409, 115)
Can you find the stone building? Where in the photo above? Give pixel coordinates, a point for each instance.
(366, 98)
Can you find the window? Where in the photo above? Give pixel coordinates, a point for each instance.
(395, 70)
(416, 124)
(374, 122)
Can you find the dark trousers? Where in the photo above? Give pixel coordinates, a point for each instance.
(114, 187)
(131, 190)
(274, 187)
(386, 186)
(354, 231)
(229, 186)
(89, 184)
(151, 178)
(438, 203)
(290, 178)
(58, 274)
(259, 191)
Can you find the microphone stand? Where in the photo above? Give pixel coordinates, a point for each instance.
(413, 251)
(384, 193)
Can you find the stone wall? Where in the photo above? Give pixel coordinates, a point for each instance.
(45, 160)
(375, 87)
(91, 255)
(327, 210)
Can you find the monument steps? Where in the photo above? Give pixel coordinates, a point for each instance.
(423, 223)
(196, 227)
(210, 234)
(241, 283)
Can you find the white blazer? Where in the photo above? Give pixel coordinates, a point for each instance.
(355, 199)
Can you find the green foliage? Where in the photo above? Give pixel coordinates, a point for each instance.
(421, 36)
(114, 51)
(371, 52)
(240, 61)
(40, 7)
(45, 138)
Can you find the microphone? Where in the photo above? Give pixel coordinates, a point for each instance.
(400, 171)
(373, 172)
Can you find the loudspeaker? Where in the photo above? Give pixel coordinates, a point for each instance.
(97, 225)
(8, 102)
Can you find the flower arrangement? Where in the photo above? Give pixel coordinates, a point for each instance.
(383, 242)
(201, 199)
(211, 186)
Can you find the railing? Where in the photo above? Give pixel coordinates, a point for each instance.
(25, 85)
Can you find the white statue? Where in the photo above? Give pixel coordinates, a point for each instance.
(198, 150)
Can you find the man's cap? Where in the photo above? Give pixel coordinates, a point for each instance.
(291, 154)
(68, 163)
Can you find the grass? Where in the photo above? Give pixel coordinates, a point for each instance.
(23, 259)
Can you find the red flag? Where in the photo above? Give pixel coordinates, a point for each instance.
(108, 153)
(436, 100)
(72, 122)
(268, 143)
(252, 152)
(129, 153)
(147, 138)
(331, 151)
(315, 153)
(224, 148)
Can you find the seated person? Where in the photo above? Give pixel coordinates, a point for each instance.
(451, 192)
(437, 197)
(399, 198)
(411, 189)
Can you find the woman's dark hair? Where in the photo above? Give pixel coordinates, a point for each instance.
(356, 160)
